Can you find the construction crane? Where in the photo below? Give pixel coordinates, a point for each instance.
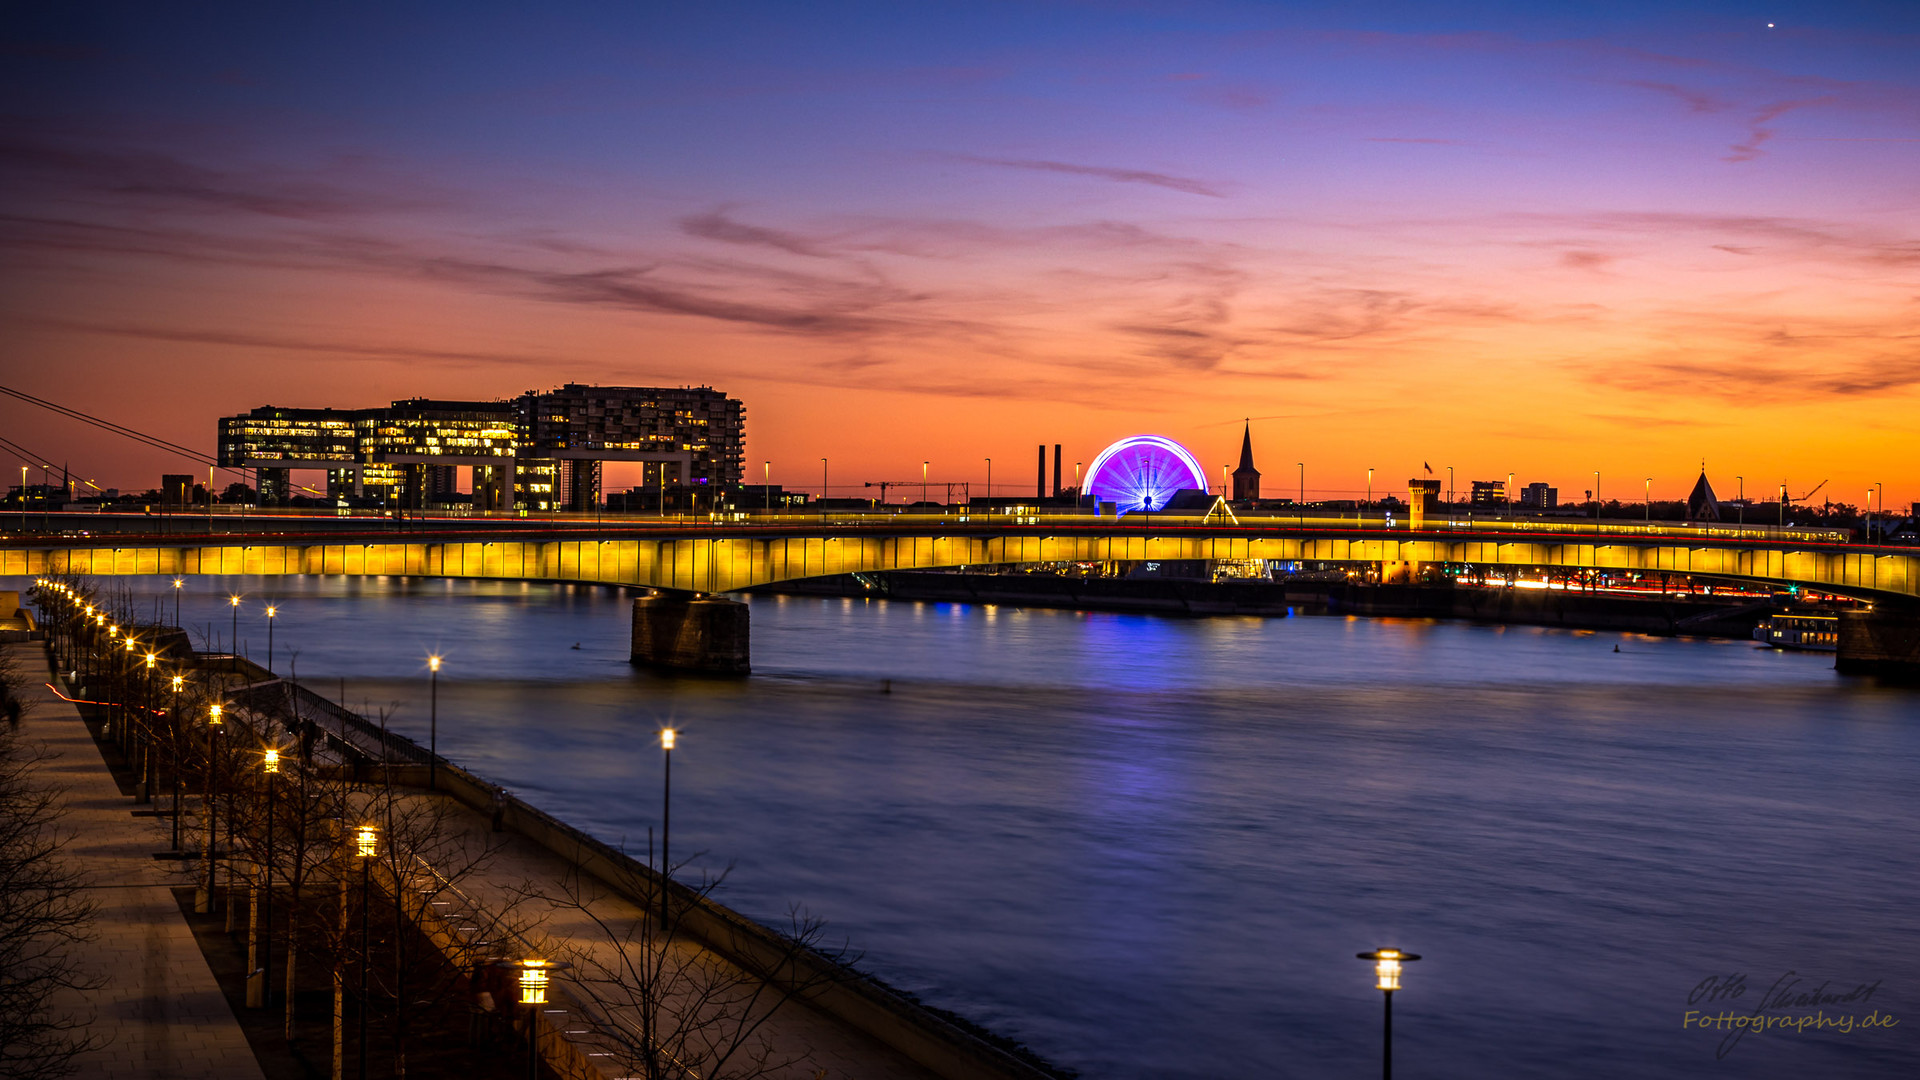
(1808, 495)
(883, 485)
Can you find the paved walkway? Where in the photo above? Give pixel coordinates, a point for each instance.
(516, 882)
(160, 1009)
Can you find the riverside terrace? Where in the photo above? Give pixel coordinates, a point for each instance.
(690, 561)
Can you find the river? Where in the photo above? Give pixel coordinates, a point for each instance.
(1151, 847)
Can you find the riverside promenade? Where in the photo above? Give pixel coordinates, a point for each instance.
(159, 1012)
(522, 884)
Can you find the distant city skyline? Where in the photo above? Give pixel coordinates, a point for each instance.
(1624, 238)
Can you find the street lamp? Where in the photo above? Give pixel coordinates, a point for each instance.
(666, 821)
(203, 898)
(1303, 482)
(1648, 499)
(535, 978)
(989, 479)
(366, 847)
(1386, 971)
(271, 612)
(766, 482)
(923, 486)
(823, 478)
(178, 584)
(269, 764)
(433, 721)
(233, 646)
(173, 729)
(1743, 498)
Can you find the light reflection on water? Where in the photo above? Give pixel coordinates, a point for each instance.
(1151, 847)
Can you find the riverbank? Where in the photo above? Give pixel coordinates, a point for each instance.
(1696, 616)
(512, 881)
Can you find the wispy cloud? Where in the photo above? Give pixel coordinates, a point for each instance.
(1184, 184)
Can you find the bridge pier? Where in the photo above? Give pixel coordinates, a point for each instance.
(1883, 641)
(699, 634)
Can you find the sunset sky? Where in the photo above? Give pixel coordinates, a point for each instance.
(1544, 239)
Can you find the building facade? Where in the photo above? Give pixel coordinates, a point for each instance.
(540, 451)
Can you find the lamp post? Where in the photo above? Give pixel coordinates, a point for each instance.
(1369, 485)
(989, 479)
(923, 486)
(1596, 500)
(271, 612)
(766, 482)
(270, 764)
(1743, 498)
(1509, 496)
(433, 721)
(173, 730)
(823, 478)
(1303, 482)
(1449, 488)
(178, 584)
(233, 645)
(366, 846)
(1386, 970)
(203, 898)
(535, 977)
(666, 821)
(1648, 500)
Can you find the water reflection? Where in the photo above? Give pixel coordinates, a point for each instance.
(1151, 847)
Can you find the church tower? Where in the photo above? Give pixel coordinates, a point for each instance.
(1246, 478)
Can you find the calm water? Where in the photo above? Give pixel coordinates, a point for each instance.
(1150, 848)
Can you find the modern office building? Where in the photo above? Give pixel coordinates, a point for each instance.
(1489, 493)
(1539, 497)
(541, 450)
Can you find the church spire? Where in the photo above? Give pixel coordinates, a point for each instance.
(1246, 478)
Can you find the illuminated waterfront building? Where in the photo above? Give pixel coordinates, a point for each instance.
(538, 451)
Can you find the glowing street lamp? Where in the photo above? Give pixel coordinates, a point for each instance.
(666, 820)
(178, 584)
(366, 847)
(433, 722)
(270, 764)
(271, 612)
(203, 895)
(233, 646)
(1386, 974)
(535, 978)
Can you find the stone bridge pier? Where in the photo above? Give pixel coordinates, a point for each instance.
(1883, 641)
(691, 632)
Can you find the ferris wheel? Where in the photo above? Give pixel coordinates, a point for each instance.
(1142, 472)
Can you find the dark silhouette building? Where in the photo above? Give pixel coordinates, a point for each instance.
(1701, 504)
(1246, 478)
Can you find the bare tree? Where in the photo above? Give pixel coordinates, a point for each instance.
(672, 1008)
(44, 912)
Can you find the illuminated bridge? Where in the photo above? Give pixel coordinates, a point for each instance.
(691, 562)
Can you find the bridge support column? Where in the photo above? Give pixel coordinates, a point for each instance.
(705, 635)
(1884, 641)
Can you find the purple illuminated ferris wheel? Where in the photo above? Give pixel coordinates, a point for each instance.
(1142, 472)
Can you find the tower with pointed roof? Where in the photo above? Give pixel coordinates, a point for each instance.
(1246, 478)
(1701, 504)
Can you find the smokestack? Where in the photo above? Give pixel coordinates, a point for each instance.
(1040, 485)
(1056, 470)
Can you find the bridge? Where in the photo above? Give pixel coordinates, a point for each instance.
(691, 562)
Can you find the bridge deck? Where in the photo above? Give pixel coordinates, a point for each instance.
(722, 556)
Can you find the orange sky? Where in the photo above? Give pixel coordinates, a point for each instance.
(1547, 249)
